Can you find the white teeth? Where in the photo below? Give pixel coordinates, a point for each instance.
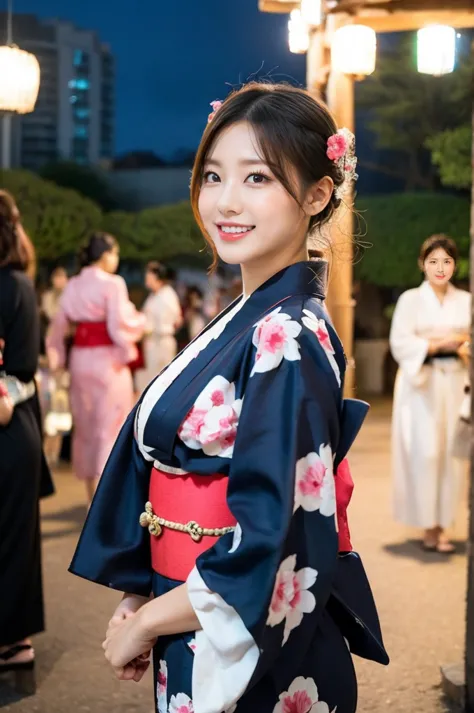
(234, 229)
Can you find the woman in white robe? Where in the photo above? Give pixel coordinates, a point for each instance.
(429, 325)
(164, 316)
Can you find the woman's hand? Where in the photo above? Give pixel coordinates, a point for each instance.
(464, 352)
(128, 645)
(129, 605)
(6, 407)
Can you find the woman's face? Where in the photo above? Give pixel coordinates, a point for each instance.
(110, 260)
(439, 267)
(246, 211)
(59, 280)
(152, 282)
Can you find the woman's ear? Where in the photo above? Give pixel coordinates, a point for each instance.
(318, 196)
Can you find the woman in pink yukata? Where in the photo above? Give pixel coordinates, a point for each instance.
(219, 515)
(95, 305)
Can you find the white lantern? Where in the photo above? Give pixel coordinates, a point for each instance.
(19, 80)
(298, 33)
(311, 12)
(354, 50)
(436, 49)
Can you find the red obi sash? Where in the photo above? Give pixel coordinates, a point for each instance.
(92, 334)
(203, 499)
(344, 488)
(181, 499)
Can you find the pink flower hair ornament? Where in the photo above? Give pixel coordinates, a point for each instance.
(341, 150)
(216, 105)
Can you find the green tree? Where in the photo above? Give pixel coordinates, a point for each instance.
(397, 224)
(159, 233)
(85, 180)
(451, 152)
(405, 108)
(57, 220)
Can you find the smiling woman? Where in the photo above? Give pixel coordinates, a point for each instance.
(223, 490)
(263, 170)
(429, 327)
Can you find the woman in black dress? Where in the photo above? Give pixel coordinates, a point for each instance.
(24, 475)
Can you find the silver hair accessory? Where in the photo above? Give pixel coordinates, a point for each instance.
(341, 150)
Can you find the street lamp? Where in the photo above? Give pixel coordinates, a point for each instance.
(436, 50)
(19, 86)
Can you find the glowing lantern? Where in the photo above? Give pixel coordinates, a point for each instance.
(298, 34)
(436, 49)
(19, 80)
(354, 50)
(311, 12)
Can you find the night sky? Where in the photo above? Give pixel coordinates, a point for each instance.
(173, 58)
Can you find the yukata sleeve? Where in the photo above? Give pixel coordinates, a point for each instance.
(112, 550)
(408, 349)
(55, 339)
(252, 591)
(125, 323)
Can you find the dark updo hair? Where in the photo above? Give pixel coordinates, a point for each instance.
(159, 270)
(96, 246)
(438, 241)
(292, 130)
(16, 249)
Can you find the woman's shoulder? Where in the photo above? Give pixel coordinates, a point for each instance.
(409, 296)
(462, 295)
(298, 329)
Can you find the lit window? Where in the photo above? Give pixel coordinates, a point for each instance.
(79, 84)
(78, 58)
(80, 131)
(82, 113)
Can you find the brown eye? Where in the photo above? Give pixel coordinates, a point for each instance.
(210, 177)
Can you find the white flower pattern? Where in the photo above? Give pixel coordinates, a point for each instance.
(275, 339)
(211, 425)
(181, 703)
(301, 697)
(320, 330)
(291, 598)
(161, 687)
(315, 487)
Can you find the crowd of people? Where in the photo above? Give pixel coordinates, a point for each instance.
(211, 430)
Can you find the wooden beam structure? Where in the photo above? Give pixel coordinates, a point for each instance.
(411, 21)
(390, 15)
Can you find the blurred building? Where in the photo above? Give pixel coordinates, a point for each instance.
(74, 116)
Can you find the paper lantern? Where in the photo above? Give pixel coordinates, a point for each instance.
(354, 50)
(436, 49)
(298, 33)
(19, 80)
(311, 12)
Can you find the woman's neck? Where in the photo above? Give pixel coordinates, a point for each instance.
(440, 290)
(255, 274)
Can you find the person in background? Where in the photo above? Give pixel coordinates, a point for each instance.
(51, 298)
(429, 326)
(194, 316)
(24, 474)
(95, 306)
(163, 314)
(53, 392)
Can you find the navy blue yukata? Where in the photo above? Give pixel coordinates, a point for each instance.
(257, 397)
